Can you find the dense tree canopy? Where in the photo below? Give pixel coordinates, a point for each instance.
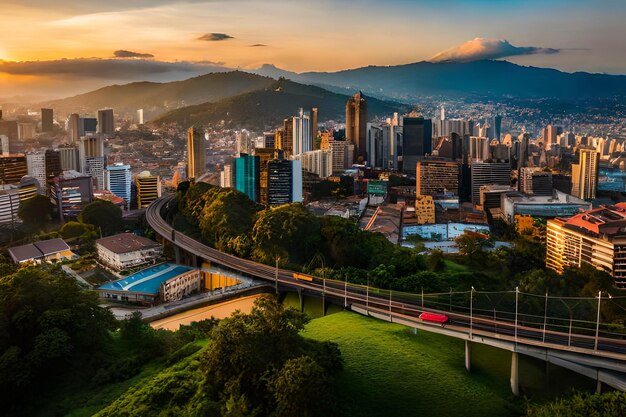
(36, 212)
(104, 215)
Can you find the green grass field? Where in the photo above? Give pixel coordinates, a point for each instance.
(389, 371)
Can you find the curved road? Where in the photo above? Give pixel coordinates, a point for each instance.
(399, 306)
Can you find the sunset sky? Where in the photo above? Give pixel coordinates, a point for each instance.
(177, 39)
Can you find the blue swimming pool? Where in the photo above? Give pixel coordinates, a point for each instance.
(147, 280)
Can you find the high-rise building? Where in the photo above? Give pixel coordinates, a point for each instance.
(302, 139)
(417, 136)
(70, 158)
(479, 148)
(12, 195)
(73, 128)
(71, 192)
(227, 178)
(595, 237)
(87, 126)
(9, 129)
(375, 146)
(91, 147)
(94, 166)
(265, 155)
(535, 181)
(435, 177)
(148, 188)
(26, 130)
(12, 169)
(585, 174)
(44, 166)
(484, 173)
(247, 178)
(106, 122)
(314, 125)
(196, 153)
(47, 120)
(497, 127)
(140, 117)
(244, 142)
(269, 140)
(286, 143)
(4, 145)
(284, 182)
(317, 162)
(118, 179)
(356, 126)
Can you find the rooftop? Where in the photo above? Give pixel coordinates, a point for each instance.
(126, 242)
(37, 250)
(609, 220)
(148, 280)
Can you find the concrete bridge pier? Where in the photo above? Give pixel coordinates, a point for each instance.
(301, 298)
(468, 361)
(515, 373)
(177, 254)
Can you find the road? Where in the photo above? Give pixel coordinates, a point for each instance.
(397, 304)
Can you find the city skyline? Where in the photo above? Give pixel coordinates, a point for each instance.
(98, 44)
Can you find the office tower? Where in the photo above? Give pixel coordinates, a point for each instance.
(92, 146)
(87, 126)
(338, 153)
(287, 137)
(534, 181)
(585, 174)
(227, 178)
(94, 166)
(457, 146)
(26, 130)
(595, 237)
(47, 121)
(549, 136)
(392, 144)
(247, 178)
(479, 148)
(265, 155)
(375, 145)
(314, 119)
(4, 145)
(73, 127)
(92, 160)
(302, 139)
(484, 173)
(140, 116)
(196, 153)
(244, 142)
(356, 125)
(12, 169)
(11, 196)
(435, 177)
(500, 153)
(44, 166)
(284, 182)
(70, 158)
(106, 122)
(71, 192)
(497, 127)
(148, 188)
(118, 180)
(319, 162)
(416, 141)
(8, 128)
(269, 140)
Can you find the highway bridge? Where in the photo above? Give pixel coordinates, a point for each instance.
(600, 355)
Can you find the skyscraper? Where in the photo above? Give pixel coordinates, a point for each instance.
(302, 139)
(497, 127)
(73, 128)
(244, 142)
(484, 173)
(12, 169)
(196, 153)
(287, 137)
(314, 125)
(92, 161)
(435, 176)
(44, 166)
(356, 125)
(284, 182)
(416, 141)
(585, 174)
(118, 181)
(70, 160)
(106, 122)
(148, 188)
(140, 116)
(87, 126)
(47, 121)
(247, 178)
(4, 145)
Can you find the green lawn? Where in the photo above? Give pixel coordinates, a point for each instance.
(391, 372)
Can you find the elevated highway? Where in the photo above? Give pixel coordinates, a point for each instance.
(600, 356)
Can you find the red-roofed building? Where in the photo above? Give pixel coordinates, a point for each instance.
(596, 237)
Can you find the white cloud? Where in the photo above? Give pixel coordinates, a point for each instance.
(482, 48)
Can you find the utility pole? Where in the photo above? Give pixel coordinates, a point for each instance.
(471, 311)
(595, 346)
(516, 306)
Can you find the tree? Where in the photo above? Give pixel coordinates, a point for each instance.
(78, 230)
(36, 212)
(104, 215)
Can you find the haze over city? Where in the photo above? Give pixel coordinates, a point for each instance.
(98, 43)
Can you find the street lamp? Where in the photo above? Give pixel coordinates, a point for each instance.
(595, 346)
(471, 310)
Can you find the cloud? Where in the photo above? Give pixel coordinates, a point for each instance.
(481, 48)
(214, 37)
(122, 53)
(113, 69)
(257, 45)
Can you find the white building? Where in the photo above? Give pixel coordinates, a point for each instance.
(319, 162)
(118, 180)
(302, 140)
(37, 169)
(127, 250)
